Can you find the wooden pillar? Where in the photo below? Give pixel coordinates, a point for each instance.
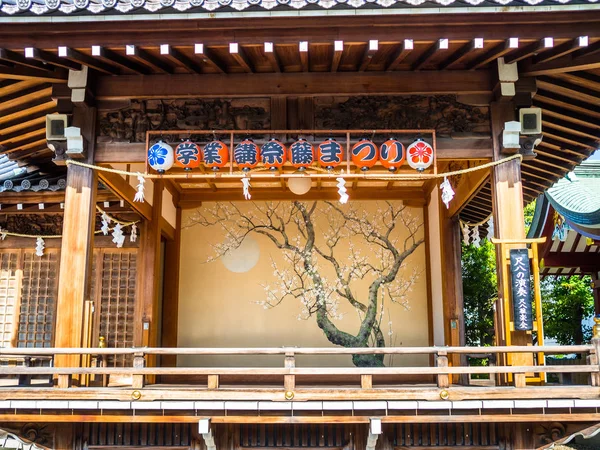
(170, 310)
(146, 331)
(454, 321)
(507, 197)
(77, 245)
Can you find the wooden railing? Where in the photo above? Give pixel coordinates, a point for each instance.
(441, 371)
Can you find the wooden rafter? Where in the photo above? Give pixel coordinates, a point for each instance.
(398, 56)
(91, 62)
(51, 58)
(336, 58)
(489, 56)
(179, 57)
(17, 58)
(524, 52)
(24, 73)
(112, 57)
(567, 116)
(150, 60)
(274, 59)
(457, 55)
(569, 89)
(210, 58)
(568, 103)
(242, 59)
(560, 50)
(573, 62)
(426, 56)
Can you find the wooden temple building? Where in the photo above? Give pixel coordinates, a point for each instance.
(304, 302)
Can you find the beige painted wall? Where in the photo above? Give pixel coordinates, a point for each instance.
(221, 308)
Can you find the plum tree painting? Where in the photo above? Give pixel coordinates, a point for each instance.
(354, 244)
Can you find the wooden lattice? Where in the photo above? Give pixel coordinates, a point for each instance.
(115, 298)
(9, 295)
(38, 299)
(138, 434)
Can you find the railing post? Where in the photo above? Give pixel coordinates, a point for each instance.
(366, 381)
(289, 381)
(519, 380)
(443, 380)
(213, 382)
(64, 381)
(139, 362)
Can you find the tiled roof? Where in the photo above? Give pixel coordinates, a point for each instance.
(55, 7)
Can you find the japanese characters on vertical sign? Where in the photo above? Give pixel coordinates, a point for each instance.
(521, 289)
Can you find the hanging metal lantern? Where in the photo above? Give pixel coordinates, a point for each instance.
(419, 155)
(246, 155)
(161, 157)
(215, 155)
(330, 153)
(365, 154)
(302, 154)
(188, 155)
(273, 154)
(392, 154)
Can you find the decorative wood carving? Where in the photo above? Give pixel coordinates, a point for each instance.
(442, 112)
(131, 123)
(551, 432)
(42, 224)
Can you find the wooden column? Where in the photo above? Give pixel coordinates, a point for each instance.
(146, 331)
(507, 193)
(454, 322)
(170, 308)
(77, 245)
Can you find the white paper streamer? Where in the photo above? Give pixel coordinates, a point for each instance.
(105, 224)
(118, 236)
(246, 188)
(342, 191)
(133, 235)
(139, 195)
(39, 246)
(465, 233)
(490, 233)
(447, 192)
(475, 238)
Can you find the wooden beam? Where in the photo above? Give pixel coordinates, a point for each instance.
(560, 50)
(399, 55)
(589, 50)
(426, 56)
(112, 57)
(123, 189)
(274, 59)
(43, 76)
(563, 101)
(21, 98)
(150, 60)
(564, 64)
(335, 60)
(51, 58)
(457, 55)
(209, 57)
(568, 89)
(192, 198)
(489, 56)
(12, 87)
(241, 58)
(304, 60)
(316, 84)
(30, 113)
(86, 60)
(179, 57)
(447, 149)
(469, 186)
(567, 116)
(524, 52)
(367, 57)
(19, 59)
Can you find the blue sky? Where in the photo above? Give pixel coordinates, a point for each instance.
(595, 156)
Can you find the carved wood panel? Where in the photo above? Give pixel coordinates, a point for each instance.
(129, 124)
(444, 113)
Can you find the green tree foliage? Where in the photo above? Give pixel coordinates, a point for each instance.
(567, 303)
(479, 292)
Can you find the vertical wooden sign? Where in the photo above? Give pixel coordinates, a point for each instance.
(521, 289)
